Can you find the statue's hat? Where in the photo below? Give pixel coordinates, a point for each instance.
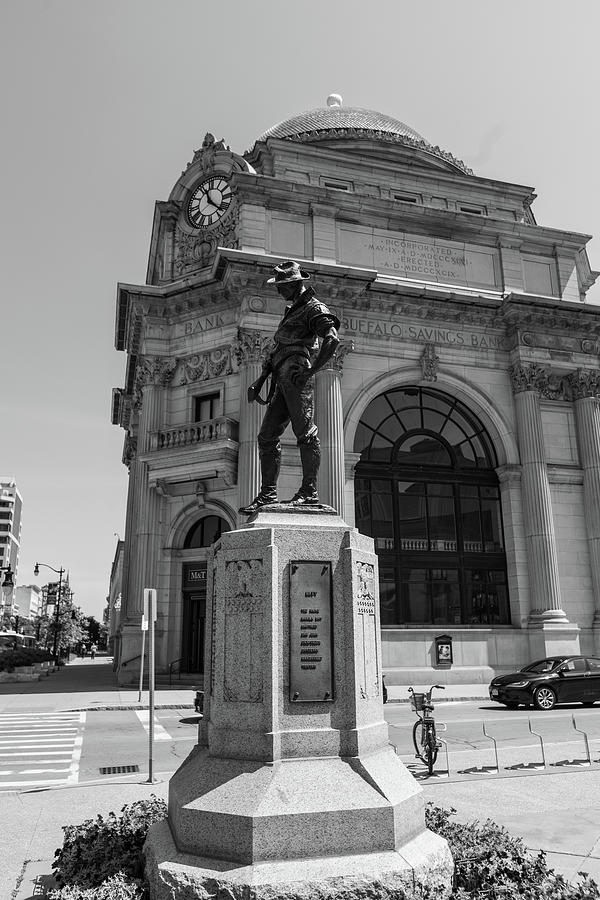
(288, 271)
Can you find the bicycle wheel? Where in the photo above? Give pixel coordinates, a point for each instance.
(431, 750)
(418, 738)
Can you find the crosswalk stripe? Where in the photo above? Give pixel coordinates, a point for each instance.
(160, 733)
(40, 744)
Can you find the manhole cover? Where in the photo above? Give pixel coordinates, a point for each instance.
(118, 770)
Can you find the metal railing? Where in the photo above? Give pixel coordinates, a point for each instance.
(176, 663)
(133, 658)
(499, 768)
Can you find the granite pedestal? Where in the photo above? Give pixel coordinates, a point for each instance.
(293, 789)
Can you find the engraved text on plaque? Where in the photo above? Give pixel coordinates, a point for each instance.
(311, 677)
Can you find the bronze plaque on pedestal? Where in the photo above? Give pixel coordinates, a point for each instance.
(311, 670)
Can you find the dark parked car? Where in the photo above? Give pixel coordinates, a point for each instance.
(556, 679)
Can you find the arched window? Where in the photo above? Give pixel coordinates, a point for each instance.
(426, 490)
(205, 532)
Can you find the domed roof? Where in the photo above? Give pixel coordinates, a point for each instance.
(336, 121)
(335, 116)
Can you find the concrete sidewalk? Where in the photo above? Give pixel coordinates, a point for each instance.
(556, 811)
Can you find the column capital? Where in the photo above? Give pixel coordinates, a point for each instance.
(532, 377)
(526, 378)
(509, 474)
(336, 363)
(251, 346)
(584, 383)
(154, 370)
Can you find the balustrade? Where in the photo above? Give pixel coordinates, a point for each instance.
(221, 429)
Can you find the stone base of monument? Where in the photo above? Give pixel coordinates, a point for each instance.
(293, 790)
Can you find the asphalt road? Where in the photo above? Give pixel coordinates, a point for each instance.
(68, 748)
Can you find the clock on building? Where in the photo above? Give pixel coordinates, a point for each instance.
(209, 202)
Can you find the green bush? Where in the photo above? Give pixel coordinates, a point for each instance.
(103, 847)
(489, 862)
(22, 656)
(117, 887)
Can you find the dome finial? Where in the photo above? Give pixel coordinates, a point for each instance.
(334, 100)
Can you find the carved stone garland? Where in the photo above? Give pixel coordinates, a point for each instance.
(202, 366)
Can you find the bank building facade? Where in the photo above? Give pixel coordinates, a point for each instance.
(459, 420)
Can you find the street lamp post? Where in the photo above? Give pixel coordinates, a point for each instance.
(60, 572)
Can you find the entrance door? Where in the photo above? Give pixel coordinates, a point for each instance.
(194, 617)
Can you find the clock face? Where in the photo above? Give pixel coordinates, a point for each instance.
(209, 202)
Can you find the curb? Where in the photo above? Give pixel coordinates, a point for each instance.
(438, 699)
(134, 708)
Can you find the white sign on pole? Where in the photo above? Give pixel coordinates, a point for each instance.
(149, 593)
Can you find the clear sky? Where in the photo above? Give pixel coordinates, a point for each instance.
(103, 103)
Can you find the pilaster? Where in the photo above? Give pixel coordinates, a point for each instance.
(323, 219)
(586, 390)
(153, 375)
(511, 499)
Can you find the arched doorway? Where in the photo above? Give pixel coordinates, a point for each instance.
(202, 535)
(426, 490)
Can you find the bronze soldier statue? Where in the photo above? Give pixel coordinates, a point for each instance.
(292, 365)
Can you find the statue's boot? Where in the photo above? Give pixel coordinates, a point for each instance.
(310, 454)
(270, 462)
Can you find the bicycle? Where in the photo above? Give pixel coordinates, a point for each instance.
(424, 735)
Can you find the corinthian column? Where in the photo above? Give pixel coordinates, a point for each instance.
(585, 386)
(133, 465)
(250, 350)
(153, 374)
(329, 419)
(537, 503)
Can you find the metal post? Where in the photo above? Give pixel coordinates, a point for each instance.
(151, 595)
(142, 661)
(585, 737)
(541, 745)
(490, 738)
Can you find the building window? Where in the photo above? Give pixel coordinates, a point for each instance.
(408, 198)
(207, 407)
(205, 532)
(427, 492)
(336, 185)
(473, 210)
